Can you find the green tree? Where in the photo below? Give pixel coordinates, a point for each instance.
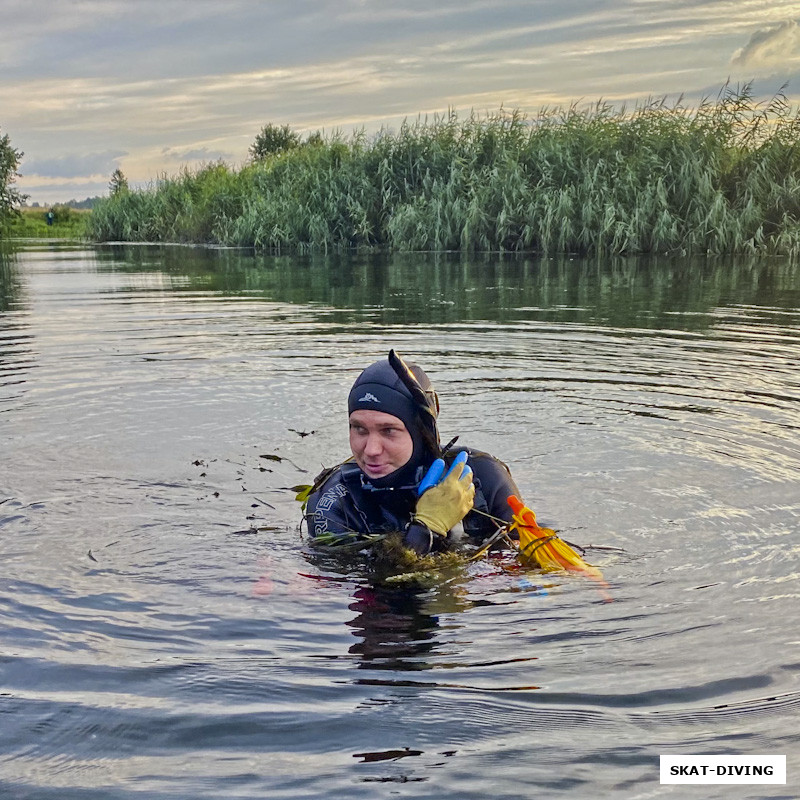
(272, 140)
(10, 198)
(118, 183)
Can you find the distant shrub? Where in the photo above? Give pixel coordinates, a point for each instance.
(273, 140)
(62, 214)
(118, 183)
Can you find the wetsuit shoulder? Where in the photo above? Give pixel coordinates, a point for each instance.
(330, 509)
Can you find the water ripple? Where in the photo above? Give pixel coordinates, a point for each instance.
(166, 632)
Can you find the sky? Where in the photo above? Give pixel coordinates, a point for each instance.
(153, 86)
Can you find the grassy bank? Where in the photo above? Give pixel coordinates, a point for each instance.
(68, 223)
(723, 177)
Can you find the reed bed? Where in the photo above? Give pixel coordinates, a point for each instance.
(722, 177)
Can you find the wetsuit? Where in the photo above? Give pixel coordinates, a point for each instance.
(347, 502)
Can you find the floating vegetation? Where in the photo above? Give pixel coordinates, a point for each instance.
(386, 560)
(723, 177)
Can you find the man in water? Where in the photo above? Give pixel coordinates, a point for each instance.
(395, 443)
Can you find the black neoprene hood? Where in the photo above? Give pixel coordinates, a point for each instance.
(379, 388)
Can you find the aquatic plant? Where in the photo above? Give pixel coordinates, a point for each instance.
(719, 178)
(384, 559)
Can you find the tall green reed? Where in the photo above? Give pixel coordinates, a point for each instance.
(719, 178)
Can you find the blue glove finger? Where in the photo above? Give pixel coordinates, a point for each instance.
(432, 476)
(461, 458)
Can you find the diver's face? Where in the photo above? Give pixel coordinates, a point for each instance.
(380, 442)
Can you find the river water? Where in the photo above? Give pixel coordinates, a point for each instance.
(166, 631)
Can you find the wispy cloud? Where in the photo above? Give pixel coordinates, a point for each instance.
(74, 166)
(776, 47)
(195, 154)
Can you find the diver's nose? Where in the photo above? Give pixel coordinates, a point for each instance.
(374, 444)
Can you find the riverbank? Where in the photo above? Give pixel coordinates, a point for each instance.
(720, 178)
(68, 223)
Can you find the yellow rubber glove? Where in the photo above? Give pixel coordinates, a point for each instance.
(446, 504)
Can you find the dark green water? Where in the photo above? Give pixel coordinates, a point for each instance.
(166, 633)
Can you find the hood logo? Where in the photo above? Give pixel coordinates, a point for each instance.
(368, 398)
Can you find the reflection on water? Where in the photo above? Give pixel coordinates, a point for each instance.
(165, 633)
(394, 630)
(10, 286)
(441, 288)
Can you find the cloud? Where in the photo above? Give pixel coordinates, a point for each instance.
(195, 154)
(777, 46)
(167, 83)
(74, 166)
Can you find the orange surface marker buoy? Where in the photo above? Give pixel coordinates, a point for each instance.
(543, 548)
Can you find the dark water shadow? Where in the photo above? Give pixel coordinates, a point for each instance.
(394, 630)
(646, 292)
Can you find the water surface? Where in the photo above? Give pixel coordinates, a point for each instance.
(166, 632)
